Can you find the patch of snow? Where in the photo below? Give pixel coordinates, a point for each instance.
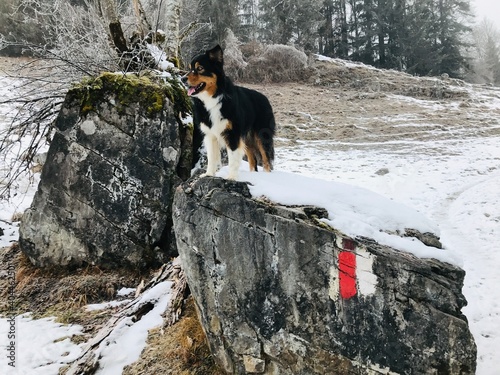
(125, 291)
(107, 305)
(346, 63)
(160, 57)
(455, 183)
(128, 339)
(19, 198)
(42, 346)
(353, 210)
(10, 230)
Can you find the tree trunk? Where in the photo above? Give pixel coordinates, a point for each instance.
(355, 26)
(142, 25)
(344, 47)
(381, 33)
(173, 18)
(329, 48)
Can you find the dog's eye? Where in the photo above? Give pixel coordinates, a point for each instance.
(200, 68)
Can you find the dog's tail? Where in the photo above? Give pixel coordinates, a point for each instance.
(260, 147)
(265, 141)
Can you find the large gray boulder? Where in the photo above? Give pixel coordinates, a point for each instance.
(107, 186)
(279, 292)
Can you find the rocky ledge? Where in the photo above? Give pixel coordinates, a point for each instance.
(280, 292)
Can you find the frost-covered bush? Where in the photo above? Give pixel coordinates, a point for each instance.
(18, 27)
(78, 39)
(79, 35)
(275, 63)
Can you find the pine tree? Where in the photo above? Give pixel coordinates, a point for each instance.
(278, 19)
(435, 39)
(369, 31)
(450, 31)
(249, 20)
(381, 11)
(220, 15)
(397, 34)
(326, 38)
(334, 29)
(356, 7)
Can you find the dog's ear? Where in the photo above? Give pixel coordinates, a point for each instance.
(215, 54)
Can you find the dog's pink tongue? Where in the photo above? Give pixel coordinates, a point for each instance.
(191, 90)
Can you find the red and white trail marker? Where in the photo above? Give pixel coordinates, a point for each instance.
(353, 273)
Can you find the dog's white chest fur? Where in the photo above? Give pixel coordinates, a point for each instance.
(213, 138)
(219, 124)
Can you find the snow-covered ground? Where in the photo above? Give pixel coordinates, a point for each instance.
(452, 180)
(41, 346)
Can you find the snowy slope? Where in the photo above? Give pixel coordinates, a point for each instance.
(450, 173)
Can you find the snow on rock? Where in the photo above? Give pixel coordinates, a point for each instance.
(160, 57)
(281, 290)
(356, 211)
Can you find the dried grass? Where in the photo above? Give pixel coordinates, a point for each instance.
(180, 349)
(58, 291)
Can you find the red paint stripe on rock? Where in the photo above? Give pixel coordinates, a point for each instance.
(347, 274)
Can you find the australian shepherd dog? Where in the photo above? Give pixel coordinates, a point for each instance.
(238, 118)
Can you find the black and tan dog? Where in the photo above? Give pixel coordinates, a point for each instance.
(238, 118)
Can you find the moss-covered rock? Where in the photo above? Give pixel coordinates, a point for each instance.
(147, 90)
(105, 196)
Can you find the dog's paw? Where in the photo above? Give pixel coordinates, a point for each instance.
(207, 174)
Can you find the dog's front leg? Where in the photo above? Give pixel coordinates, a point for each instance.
(213, 154)
(234, 161)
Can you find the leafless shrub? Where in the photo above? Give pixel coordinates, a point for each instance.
(77, 47)
(252, 49)
(34, 101)
(18, 26)
(78, 43)
(276, 63)
(80, 40)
